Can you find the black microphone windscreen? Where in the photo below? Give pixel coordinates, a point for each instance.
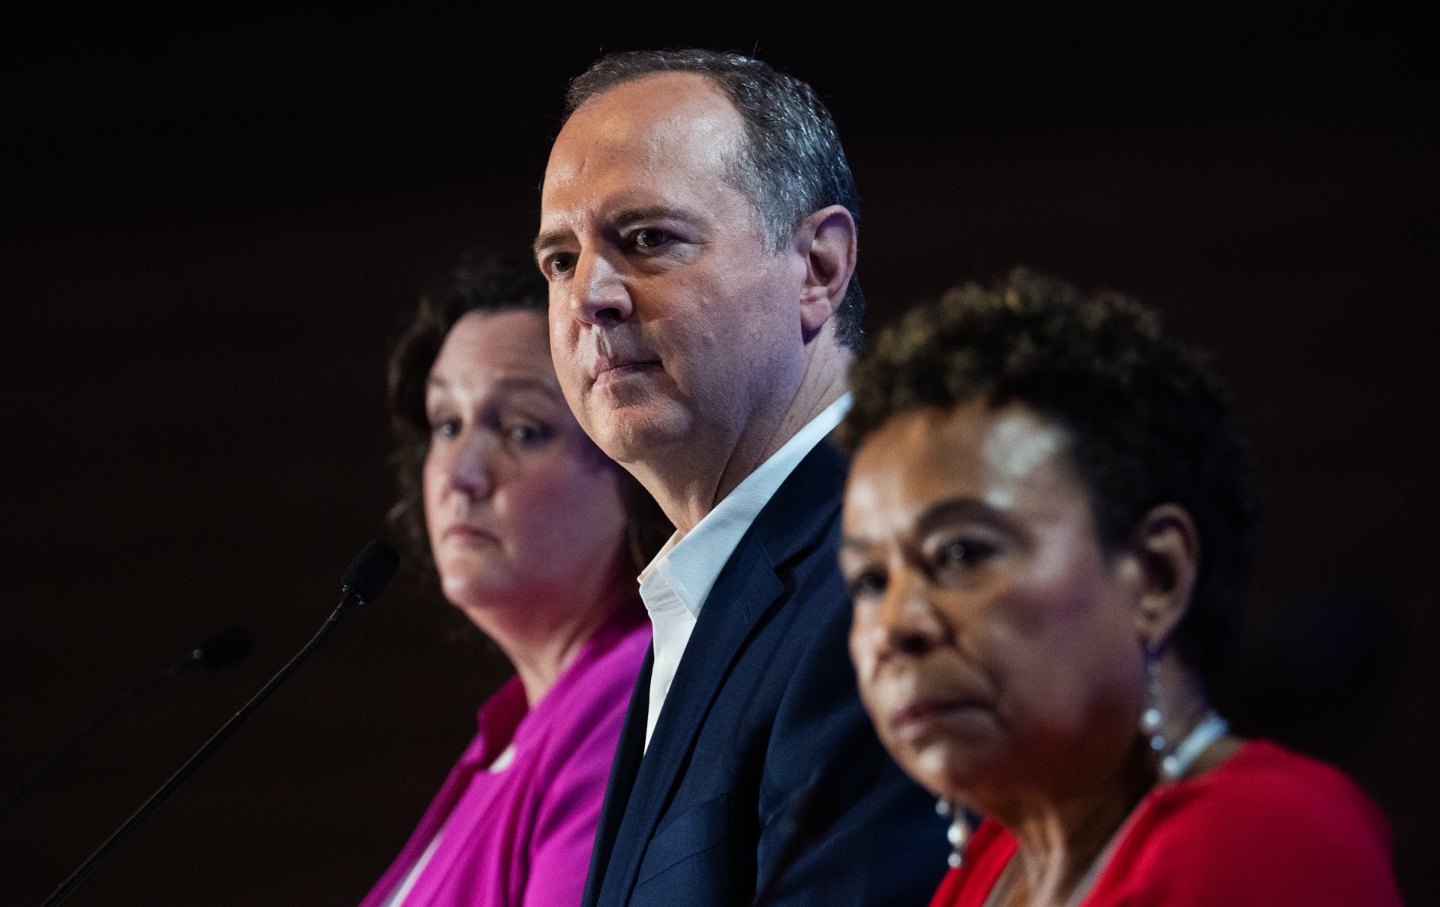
(371, 571)
(222, 648)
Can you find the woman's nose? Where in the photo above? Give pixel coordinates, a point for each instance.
(908, 622)
(471, 470)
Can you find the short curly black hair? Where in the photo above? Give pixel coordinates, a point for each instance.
(479, 282)
(1149, 420)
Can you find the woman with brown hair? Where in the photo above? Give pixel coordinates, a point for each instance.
(536, 537)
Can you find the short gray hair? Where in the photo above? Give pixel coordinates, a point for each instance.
(789, 165)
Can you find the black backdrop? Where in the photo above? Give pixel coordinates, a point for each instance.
(214, 219)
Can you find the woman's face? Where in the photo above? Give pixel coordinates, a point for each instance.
(995, 642)
(520, 506)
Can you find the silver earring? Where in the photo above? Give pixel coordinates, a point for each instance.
(1174, 761)
(958, 834)
(1152, 720)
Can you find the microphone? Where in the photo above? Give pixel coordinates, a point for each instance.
(220, 649)
(367, 576)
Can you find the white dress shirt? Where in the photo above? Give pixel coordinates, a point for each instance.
(676, 583)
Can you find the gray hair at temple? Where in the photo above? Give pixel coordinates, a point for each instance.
(789, 165)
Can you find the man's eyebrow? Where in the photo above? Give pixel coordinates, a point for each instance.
(631, 216)
(620, 220)
(550, 238)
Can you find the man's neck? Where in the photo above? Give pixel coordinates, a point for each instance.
(688, 486)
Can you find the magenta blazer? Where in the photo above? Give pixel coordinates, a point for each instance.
(522, 836)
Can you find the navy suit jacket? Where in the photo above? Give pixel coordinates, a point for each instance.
(763, 768)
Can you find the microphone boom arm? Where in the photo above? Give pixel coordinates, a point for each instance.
(372, 577)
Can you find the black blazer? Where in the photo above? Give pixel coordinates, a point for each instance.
(764, 769)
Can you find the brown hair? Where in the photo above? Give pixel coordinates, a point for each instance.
(478, 283)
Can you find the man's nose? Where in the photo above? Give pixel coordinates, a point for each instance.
(599, 294)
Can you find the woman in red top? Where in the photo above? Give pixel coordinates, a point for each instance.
(1048, 518)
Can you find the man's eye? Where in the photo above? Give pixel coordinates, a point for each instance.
(558, 264)
(650, 238)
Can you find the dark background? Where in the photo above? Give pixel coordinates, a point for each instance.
(213, 221)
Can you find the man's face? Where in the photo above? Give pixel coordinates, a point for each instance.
(675, 332)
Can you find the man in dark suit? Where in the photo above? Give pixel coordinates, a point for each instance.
(698, 229)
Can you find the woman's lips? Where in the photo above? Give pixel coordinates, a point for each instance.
(929, 716)
(465, 534)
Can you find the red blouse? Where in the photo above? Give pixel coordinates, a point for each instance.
(1266, 827)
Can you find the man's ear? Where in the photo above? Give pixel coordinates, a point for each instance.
(828, 241)
(1167, 547)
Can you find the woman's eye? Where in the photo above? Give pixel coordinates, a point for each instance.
(445, 428)
(866, 583)
(961, 553)
(527, 433)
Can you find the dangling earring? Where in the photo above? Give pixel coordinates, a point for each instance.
(1176, 761)
(958, 834)
(1152, 720)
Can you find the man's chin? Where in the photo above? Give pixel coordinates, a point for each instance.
(647, 435)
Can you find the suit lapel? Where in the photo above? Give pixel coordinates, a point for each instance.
(747, 588)
(622, 781)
